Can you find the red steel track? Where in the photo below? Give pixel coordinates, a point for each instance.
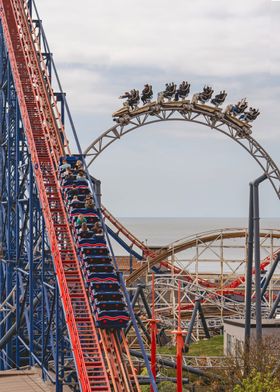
(43, 128)
(45, 132)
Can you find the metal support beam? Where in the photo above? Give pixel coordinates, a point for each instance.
(270, 274)
(257, 256)
(249, 271)
(274, 306)
(27, 278)
(31, 268)
(192, 321)
(171, 364)
(203, 321)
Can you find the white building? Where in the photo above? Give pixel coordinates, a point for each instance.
(234, 332)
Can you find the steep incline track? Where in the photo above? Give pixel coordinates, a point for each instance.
(44, 130)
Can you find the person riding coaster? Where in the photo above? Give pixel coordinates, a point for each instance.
(219, 98)
(205, 95)
(250, 115)
(170, 90)
(132, 97)
(183, 91)
(147, 94)
(239, 108)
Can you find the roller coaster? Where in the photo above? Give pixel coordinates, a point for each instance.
(65, 306)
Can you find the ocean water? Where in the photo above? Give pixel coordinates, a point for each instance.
(163, 231)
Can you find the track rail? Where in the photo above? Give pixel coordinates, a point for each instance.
(147, 252)
(186, 111)
(43, 136)
(121, 228)
(116, 363)
(189, 243)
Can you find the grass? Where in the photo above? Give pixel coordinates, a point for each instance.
(209, 348)
(213, 347)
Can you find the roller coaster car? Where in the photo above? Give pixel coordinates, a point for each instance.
(144, 108)
(90, 227)
(136, 112)
(174, 104)
(85, 252)
(99, 268)
(76, 204)
(96, 239)
(107, 319)
(79, 191)
(88, 247)
(85, 234)
(101, 277)
(121, 112)
(91, 219)
(93, 260)
(84, 211)
(70, 159)
(73, 190)
(100, 287)
(110, 305)
(81, 197)
(207, 108)
(67, 182)
(241, 124)
(75, 184)
(107, 296)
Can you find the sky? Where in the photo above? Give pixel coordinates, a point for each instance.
(103, 49)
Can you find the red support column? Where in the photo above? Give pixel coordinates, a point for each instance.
(179, 345)
(153, 329)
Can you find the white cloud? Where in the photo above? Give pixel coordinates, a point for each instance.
(104, 48)
(207, 39)
(216, 38)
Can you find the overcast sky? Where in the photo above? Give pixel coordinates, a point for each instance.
(105, 48)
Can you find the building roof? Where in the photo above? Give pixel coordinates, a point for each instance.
(266, 323)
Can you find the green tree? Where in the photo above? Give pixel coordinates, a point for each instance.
(260, 373)
(258, 382)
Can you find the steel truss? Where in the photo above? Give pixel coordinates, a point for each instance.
(211, 266)
(199, 114)
(32, 325)
(202, 242)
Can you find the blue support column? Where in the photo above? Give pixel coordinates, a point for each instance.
(30, 332)
(257, 256)
(249, 270)
(62, 346)
(43, 301)
(57, 339)
(17, 241)
(30, 6)
(1, 316)
(31, 267)
(2, 116)
(9, 216)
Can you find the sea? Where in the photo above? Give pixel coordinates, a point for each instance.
(161, 232)
(164, 231)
